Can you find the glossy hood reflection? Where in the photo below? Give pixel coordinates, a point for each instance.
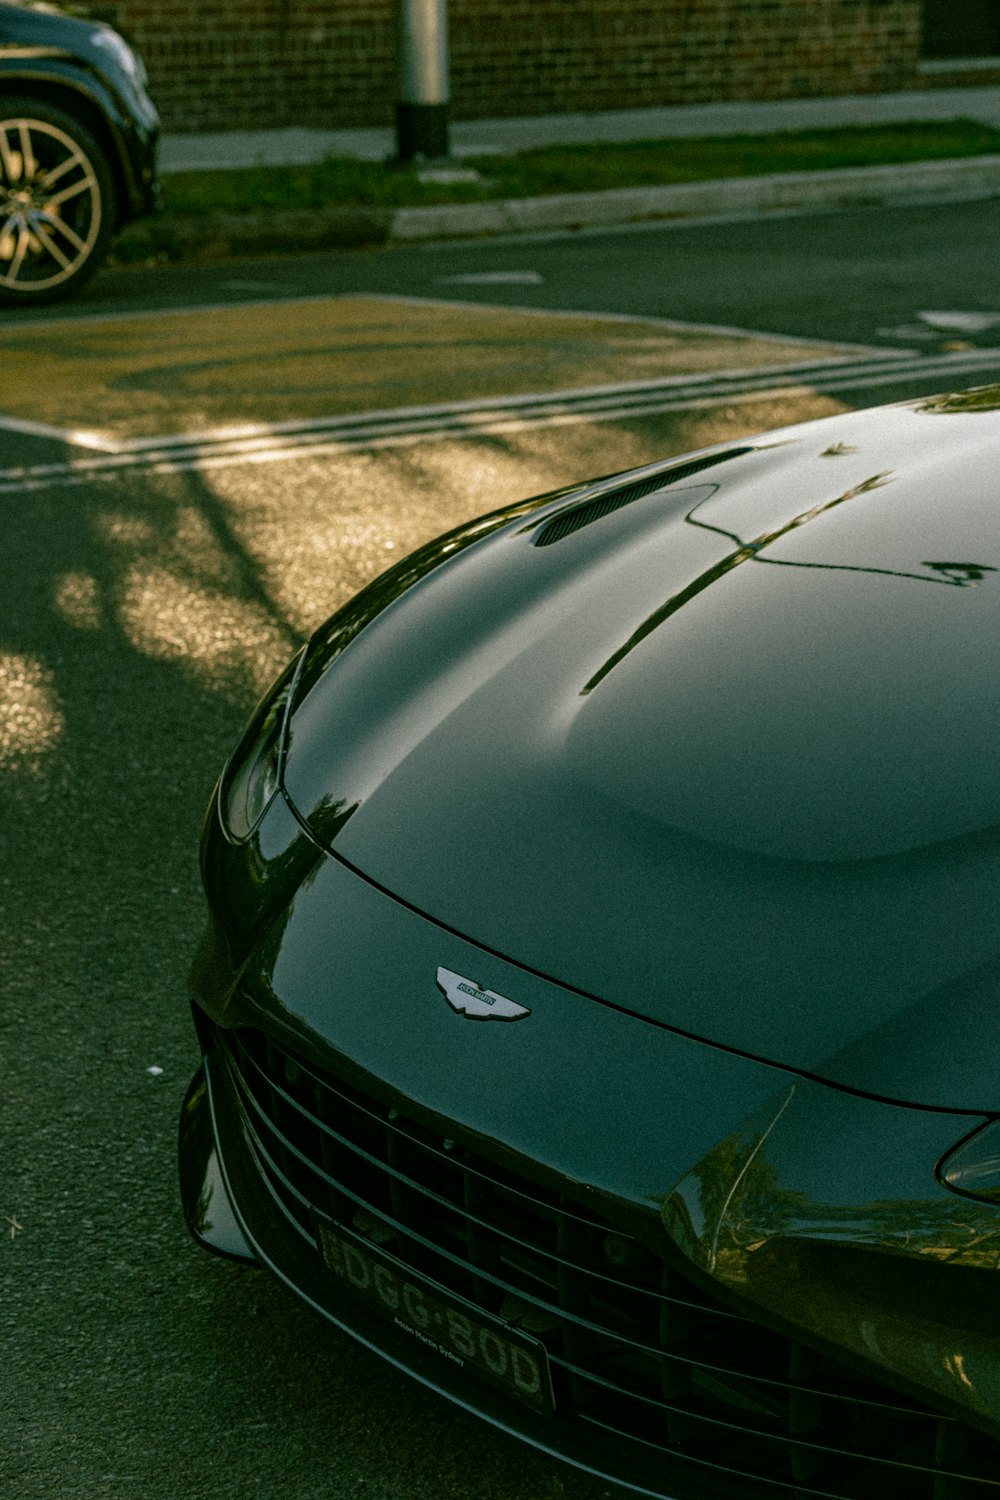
(723, 756)
(820, 1212)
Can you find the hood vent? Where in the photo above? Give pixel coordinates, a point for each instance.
(576, 517)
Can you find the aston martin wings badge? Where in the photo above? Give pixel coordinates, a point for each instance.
(477, 1004)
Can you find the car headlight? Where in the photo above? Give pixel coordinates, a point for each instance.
(973, 1167)
(253, 772)
(129, 62)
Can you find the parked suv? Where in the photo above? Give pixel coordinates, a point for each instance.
(78, 138)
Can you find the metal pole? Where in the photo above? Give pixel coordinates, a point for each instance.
(422, 107)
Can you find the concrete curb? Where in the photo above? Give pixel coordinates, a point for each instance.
(849, 187)
(220, 236)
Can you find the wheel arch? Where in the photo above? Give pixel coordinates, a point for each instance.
(95, 109)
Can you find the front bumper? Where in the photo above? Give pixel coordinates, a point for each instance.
(718, 1257)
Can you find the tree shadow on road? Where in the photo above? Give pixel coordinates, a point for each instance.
(141, 616)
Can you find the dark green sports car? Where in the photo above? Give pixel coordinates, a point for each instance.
(600, 1003)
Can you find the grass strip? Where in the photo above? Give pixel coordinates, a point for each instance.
(343, 182)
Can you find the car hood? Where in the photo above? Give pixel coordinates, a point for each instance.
(35, 20)
(33, 32)
(724, 756)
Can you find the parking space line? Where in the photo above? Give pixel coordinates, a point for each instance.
(139, 314)
(579, 397)
(666, 325)
(331, 437)
(300, 362)
(70, 437)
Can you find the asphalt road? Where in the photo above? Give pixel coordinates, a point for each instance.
(159, 566)
(861, 276)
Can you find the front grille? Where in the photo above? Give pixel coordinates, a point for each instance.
(635, 1350)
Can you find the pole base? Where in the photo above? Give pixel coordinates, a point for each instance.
(421, 132)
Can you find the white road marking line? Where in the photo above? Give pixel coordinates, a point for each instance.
(494, 278)
(671, 325)
(261, 286)
(79, 474)
(960, 322)
(137, 315)
(911, 332)
(625, 396)
(70, 437)
(575, 394)
(497, 416)
(107, 443)
(254, 432)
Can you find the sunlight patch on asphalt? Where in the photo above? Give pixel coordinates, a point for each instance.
(78, 601)
(31, 720)
(97, 382)
(218, 636)
(501, 418)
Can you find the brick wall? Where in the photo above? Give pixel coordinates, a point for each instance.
(228, 64)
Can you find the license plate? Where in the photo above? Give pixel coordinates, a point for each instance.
(460, 1333)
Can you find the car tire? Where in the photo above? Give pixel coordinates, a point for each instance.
(57, 202)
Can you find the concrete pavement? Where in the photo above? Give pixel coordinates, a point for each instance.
(220, 150)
